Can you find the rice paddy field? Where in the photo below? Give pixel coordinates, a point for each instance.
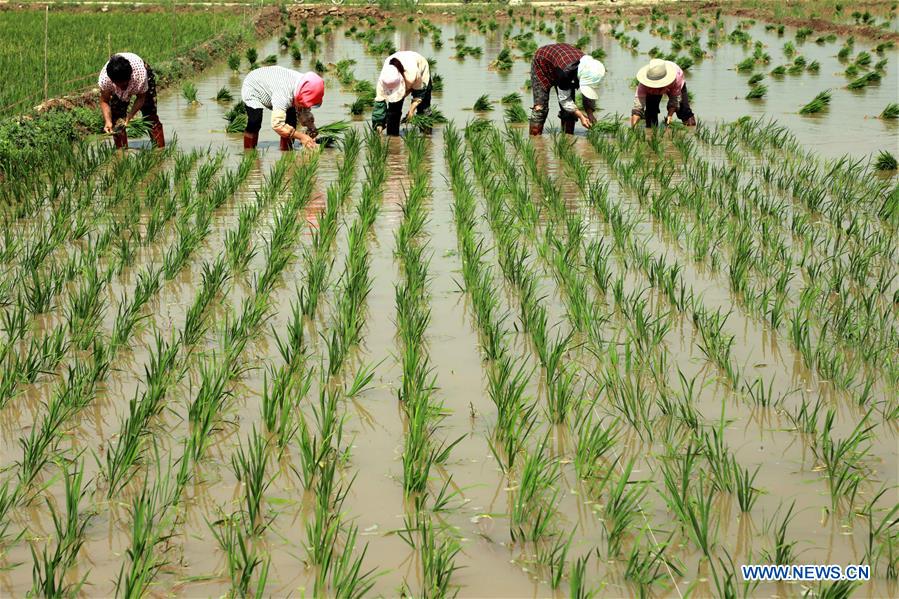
(467, 362)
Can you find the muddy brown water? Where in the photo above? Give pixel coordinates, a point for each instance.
(491, 565)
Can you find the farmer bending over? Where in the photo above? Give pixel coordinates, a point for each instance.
(568, 70)
(658, 78)
(290, 96)
(403, 73)
(124, 76)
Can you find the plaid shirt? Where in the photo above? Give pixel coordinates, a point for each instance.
(556, 65)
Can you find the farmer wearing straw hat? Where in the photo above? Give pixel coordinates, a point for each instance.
(290, 95)
(124, 76)
(658, 78)
(568, 70)
(403, 73)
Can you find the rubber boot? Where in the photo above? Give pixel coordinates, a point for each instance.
(536, 129)
(568, 127)
(120, 139)
(286, 144)
(156, 133)
(250, 140)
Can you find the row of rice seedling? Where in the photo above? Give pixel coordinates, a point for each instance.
(423, 451)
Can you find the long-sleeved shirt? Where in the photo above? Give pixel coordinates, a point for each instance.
(673, 91)
(555, 65)
(274, 88)
(136, 85)
(417, 72)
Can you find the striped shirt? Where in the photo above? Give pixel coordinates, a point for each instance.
(136, 85)
(672, 90)
(417, 72)
(270, 87)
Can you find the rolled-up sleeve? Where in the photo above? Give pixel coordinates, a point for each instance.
(279, 118)
(566, 99)
(424, 74)
(639, 106)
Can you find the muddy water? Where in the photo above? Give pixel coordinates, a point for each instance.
(491, 564)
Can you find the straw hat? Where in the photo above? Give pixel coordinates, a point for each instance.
(393, 82)
(589, 73)
(658, 73)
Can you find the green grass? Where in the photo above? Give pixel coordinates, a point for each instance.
(80, 43)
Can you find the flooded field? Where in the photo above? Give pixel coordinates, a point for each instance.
(621, 363)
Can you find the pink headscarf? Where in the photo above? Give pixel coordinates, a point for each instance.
(310, 91)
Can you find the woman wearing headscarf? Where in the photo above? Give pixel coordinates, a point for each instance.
(403, 73)
(290, 95)
(564, 67)
(123, 77)
(656, 79)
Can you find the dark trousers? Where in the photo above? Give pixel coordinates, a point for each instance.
(395, 109)
(254, 119)
(651, 114)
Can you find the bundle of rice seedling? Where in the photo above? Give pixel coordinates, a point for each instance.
(756, 79)
(515, 113)
(482, 104)
(331, 133)
(891, 111)
(885, 161)
(757, 91)
(237, 118)
(270, 60)
(427, 120)
(513, 98)
(864, 80)
(224, 95)
(818, 104)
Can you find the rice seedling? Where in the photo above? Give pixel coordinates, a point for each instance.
(224, 95)
(426, 121)
(189, 92)
(331, 133)
(817, 104)
(234, 62)
(251, 55)
(269, 60)
(482, 104)
(515, 113)
(510, 99)
(891, 112)
(865, 80)
(885, 161)
(757, 91)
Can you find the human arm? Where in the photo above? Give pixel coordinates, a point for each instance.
(106, 110)
(280, 126)
(138, 104)
(567, 103)
(379, 115)
(639, 106)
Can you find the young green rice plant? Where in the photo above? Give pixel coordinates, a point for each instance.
(249, 466)
(241, 555)
(504, 60)
(783, 550)
(819, 103)
(234, 62)
(755, 79)
(595, 440)
(438, 555)
(646, 567)
(622, 507)
(252, 55)
(746, 493)
(189, 92)
(482, 104)
(49, 573)
(535, 502)
(577, 580)
(885, 161)
(842, 459)
(555, 557)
